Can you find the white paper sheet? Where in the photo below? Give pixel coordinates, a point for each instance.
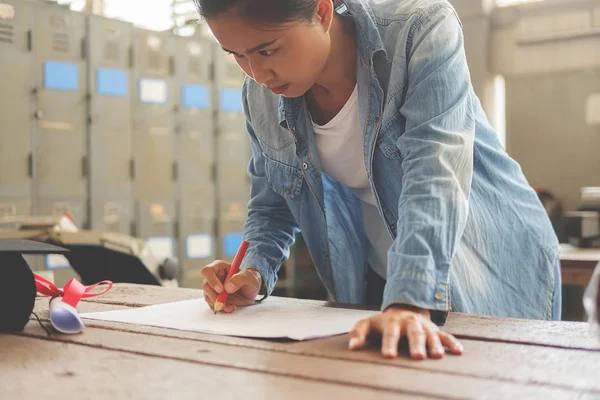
(274, 318)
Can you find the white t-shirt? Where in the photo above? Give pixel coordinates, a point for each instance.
(340, 147)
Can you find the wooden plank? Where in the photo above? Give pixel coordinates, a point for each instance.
(569, 335)
(134, 295)
(42, 310)
(572, 253)
(546, 366)
(41, 369)
(405, 376)
(575, 335)
(560, 367)
(577, 273)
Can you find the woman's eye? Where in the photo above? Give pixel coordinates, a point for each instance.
(266, 53)
(234, 54)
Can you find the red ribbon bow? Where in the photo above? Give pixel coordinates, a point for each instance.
(71, 293)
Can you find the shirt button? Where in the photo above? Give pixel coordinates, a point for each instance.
(304, 166)
(377, 120)
(439, 296)
(287, 192)
(326, 254)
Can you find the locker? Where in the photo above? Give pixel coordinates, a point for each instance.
(195, 157)
(153, 140)
(109, 46)
(15, 107)
(232, 218)
(233, 155)
(59, 98)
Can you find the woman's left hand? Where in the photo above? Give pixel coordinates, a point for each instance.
(405, 321)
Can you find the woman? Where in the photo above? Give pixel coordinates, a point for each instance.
(367, 136)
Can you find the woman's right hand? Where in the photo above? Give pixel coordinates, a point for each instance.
(243, 287)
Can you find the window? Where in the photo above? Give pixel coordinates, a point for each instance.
(504, 3)
(155, 14)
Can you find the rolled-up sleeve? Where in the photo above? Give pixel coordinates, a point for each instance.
(270, 227)
(437, 150)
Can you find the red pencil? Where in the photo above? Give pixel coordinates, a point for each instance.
(235, 268)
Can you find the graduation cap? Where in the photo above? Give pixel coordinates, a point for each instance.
(17, 288)
(101, 255)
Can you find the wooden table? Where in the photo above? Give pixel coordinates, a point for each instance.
(504, 359)
(577, 265)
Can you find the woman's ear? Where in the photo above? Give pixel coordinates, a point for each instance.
(324, 14)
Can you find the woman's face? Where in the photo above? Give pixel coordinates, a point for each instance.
(286, 58)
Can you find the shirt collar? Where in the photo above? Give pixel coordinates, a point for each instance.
(369, 43)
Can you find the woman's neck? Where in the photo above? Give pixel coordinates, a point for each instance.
(340, 69)
(336, 83)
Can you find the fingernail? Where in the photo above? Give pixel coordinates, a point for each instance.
(353, 343)
(230, 287)
(218, 288)
(228, 308)
(389, 352)
(440, 349)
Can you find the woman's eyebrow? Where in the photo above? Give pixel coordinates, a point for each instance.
(255, 48)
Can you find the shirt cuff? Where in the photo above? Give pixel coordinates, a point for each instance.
(269, 279)
(417, 289)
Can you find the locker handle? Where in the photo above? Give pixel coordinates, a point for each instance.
(211, 71)
(171, 65)
(84, 167)
(131, 57)
(83, 49)
(29, 40)
(132, 169)
(216, 225)
(30, 165)
(175, 171)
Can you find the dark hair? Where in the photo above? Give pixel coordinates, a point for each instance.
(260, 11)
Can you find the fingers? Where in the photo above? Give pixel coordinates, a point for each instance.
(209, 293)
(358, 336)
(210, 298)
(391, 337)
(212, 274)
(422, 335)
(450, 341)
(242, 287)
(235, 299)
(416, 337)
(210, 301)
(436, 350)
(229, 308)
(241, 279)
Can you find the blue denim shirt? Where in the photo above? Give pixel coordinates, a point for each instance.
(470, 234)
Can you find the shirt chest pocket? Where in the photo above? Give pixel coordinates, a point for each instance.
(388, 140)
(284, 179)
